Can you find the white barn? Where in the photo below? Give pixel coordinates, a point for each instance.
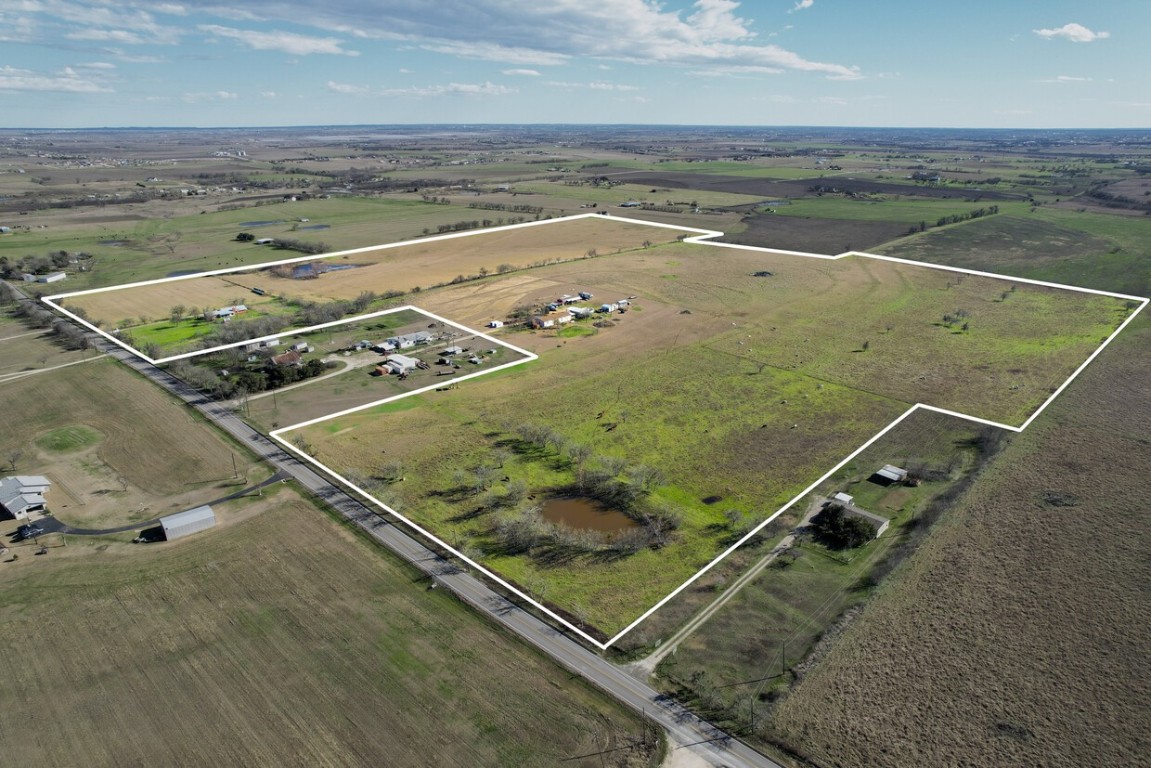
(188, 522)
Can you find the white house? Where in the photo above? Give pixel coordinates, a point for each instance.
(21, 494)
(225, 312)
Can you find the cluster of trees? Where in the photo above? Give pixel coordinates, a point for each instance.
(301, 246)
(835, 529)
(68, 334)
(461, 226)
(957, 316)
(978, 213)
(260, 377)
(242, 378)
(13, 269)
(534, 209)
(244, 329)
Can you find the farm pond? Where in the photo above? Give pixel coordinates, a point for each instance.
(585, 514)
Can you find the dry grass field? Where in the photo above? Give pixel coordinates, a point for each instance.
(117, 449)
(26, 351)
(736, 387)
(281, 640)
(1017, 635)
(403, 268)
(138, 306)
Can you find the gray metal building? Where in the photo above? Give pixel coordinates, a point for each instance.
(189, 522)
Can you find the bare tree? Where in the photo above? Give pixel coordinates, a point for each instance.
(14, 456)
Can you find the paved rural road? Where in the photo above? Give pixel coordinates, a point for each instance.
(684, 728)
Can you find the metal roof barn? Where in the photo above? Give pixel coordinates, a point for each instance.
(186, 523)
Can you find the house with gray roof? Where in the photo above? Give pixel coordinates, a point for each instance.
(22, 494)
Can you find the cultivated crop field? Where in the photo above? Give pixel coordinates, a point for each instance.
(117, 450)
(738, 390)
(288, 641)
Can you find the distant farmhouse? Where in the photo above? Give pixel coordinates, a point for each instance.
(407, 341)
(223, 313)
(847, 503)
(22, 494)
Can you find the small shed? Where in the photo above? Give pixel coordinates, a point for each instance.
(843, 498)
(186, 523)
(495, 324)
(51, 277)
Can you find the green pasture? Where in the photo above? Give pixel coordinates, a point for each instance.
(1093, 250)
(747, 652)
(70, 438)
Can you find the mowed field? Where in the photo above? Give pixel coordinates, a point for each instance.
(117, 449)
(737, 388)
(1017, 635)
(401, 268)
(281, 640)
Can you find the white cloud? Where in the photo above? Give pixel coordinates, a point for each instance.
(802, 5)
(486, 51)
(451, 89)
(97, 65)
(287, 42)
(524, 72)
(736, 70)
(172, 9)
(193, 98)
(594, 86)
(528, 33)
(129, 58)
(65, 81)
(347, 88)
(107, 35)
(268, 94)
(1076, 33)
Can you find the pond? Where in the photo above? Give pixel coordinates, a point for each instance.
(260, 223)
(585, 514)
(315, 270)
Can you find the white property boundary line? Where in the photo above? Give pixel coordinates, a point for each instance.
(703, 237)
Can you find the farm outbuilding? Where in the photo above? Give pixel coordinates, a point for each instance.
(495, 324)
(51, 277)
(186, 523)
(890, 474)
(400, 364)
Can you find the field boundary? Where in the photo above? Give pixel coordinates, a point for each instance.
(701, 237)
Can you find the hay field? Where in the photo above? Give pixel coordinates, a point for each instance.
(154, 302)
(402, 268)
(738, 387)
(281, 640)
(149, 456)
(1017, 635)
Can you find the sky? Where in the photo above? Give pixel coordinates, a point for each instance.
(899, 63)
